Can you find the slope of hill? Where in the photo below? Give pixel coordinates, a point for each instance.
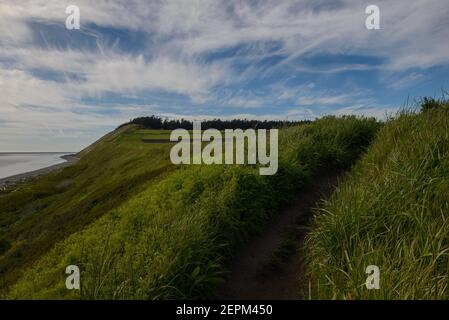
(37, 214)
(392, 212)
(172, 239)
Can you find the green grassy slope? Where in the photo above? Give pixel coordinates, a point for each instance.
(173, 239)
(393, 212)
(37, 214)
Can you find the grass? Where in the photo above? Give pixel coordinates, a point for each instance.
(393, 212)
(151, 134)
(173, 238)
(39, 213)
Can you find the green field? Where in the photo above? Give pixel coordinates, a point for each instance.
(150, 231)
(148, 134)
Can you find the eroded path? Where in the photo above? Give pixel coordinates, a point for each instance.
(271, 265)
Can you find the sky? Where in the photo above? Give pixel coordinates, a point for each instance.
(61, 89)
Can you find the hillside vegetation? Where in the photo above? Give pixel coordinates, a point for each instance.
(172, 238)
(37, 214)
(392, 212)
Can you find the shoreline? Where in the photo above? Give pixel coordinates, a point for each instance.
(22, 177)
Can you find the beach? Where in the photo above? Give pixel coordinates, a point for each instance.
(13, 179)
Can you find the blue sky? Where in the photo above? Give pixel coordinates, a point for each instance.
(62, 89)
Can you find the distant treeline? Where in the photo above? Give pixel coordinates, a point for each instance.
(155, 122)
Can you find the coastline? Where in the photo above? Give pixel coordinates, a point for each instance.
(18, 178)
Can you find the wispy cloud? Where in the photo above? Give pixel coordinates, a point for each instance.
(271, 58)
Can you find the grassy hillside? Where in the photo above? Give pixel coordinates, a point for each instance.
(37, 214)
(393, 212)
(174, 237)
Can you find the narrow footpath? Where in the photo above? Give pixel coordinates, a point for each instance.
(271, 265)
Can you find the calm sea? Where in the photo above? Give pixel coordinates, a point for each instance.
(17, 163)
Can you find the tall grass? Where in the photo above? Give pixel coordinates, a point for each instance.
(174, 239)
(393, 212)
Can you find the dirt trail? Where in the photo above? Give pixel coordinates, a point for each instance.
(250, 274)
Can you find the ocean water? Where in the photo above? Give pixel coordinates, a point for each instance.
(17, 163)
